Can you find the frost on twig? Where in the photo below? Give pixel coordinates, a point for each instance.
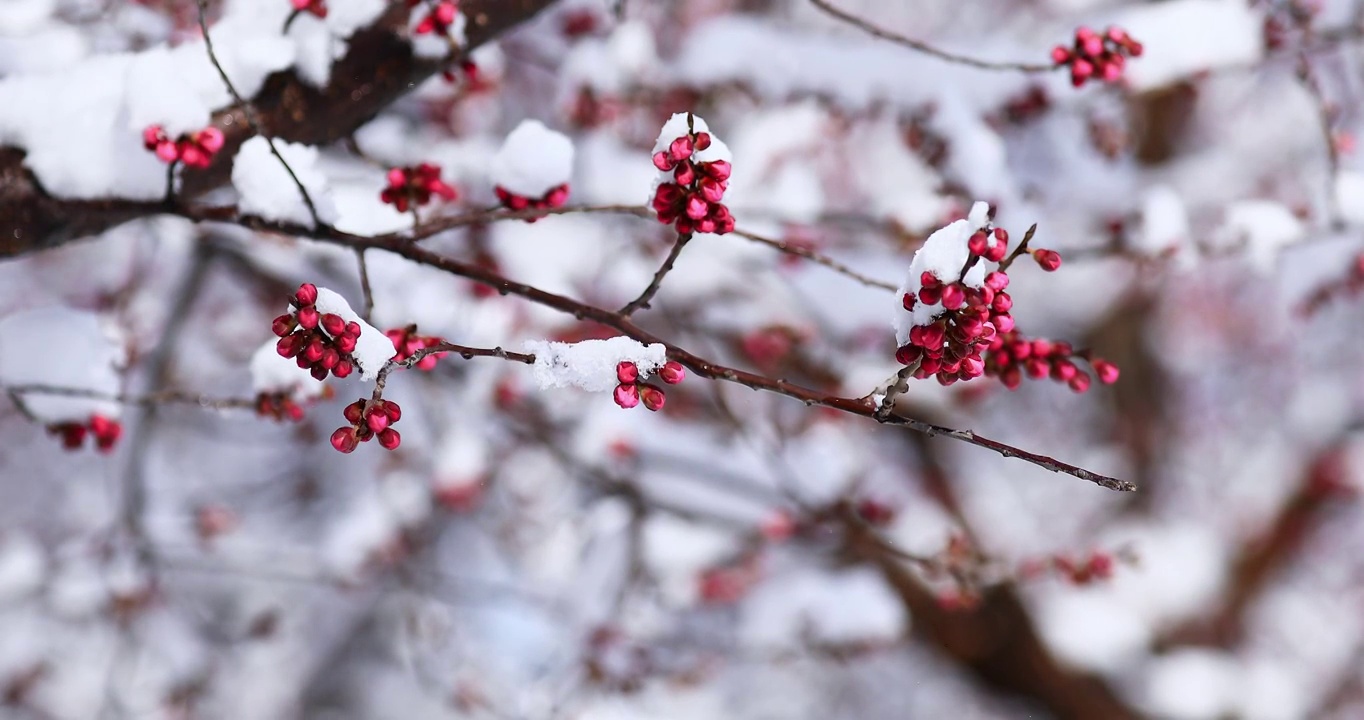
(591, 364)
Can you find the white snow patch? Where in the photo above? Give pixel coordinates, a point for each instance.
(23, 566)
(1192, 684)
(1265, 227)
(273, 373)
(833, 607)
(1177, 41)
(591, 364)
(943, 254)
(677, 551)
(267, 190)
(1349, 192)
(373, 349)
(533, 160)
(64, 348)
(1164, 222)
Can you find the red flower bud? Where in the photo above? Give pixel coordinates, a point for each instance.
(652, 397)
(390, 439)
(627, 372)
(626, 395)
(344, 440)
(306, 295)
(672, 372)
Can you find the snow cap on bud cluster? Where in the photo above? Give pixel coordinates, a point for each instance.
(413, 186)
(1097, 56)
(595, 364)
(324, 336)
(369, 419)
(693, 175)
(953, 303)
(195, 149)
(533, 167)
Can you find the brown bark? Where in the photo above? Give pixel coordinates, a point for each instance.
(996, 642)
(377, 69)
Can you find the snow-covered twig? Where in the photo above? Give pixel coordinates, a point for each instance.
(925, 48)
(165, 397)
(251, 113)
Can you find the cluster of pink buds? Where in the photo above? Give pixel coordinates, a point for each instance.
(194, 149)
(1013, 356)
(408, 343)
(631, 390)
(950, 347)
(1094, 55)
(105, 431)
(322, 343)
(556, 197)
(691, 200)
(369, 419)
(316, 7)
(410, 187)
(279, 406)
(440, 18)
(1084, 570)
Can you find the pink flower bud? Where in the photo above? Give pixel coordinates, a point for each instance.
(343, 368)
(626, 396)
(719, 169)
(282, 325)
(390, 439)
(662, 161)
(210, 139)
(697, 207)
(152, 136)
(1079, 382)
(997, 281)
(1011, 377)
(997, 252)
(1080, 71)
(353, 329)
(1003, 303)
(445, 15)
(684, 174)
(1060, 55)
(907, 354)
(652, 397)
(394, 412)
(308, 317)
(1003, 323)
(907, 300)
(557, 197)
(672, 372)
(953, 296)
(313, 352)
(288, 345)
(354, 411)
(167, 152)
(702, 141)
(1064, 370)
(306, 295)
(711, 190)
(330, 357)
(376, 419)
(1049, 260)
(977, 244)
(627, 372)
(1107, 371)
(344, 440)
(397, 178)
(680, 149)
(333, 324)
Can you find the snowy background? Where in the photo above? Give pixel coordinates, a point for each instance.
(532, 550)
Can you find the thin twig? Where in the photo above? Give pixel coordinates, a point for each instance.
(165, 397)
(464, 351)
(364, 284)
(645, 297)
(925, 48)
(826, 261)
(250, 113)
(1324, 119)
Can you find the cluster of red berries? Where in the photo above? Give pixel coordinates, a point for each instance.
(194, 149)
(950, 347)
(322, 343)
(408, 343)
(439, 20)
(1087, 569)
(1093, 55)
(410, 187)
(1012, 356)
(369, 419)
(632, 391)
(316, 7)
(278, 405)
(105, 431)
(691, 202)
(555, 197)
